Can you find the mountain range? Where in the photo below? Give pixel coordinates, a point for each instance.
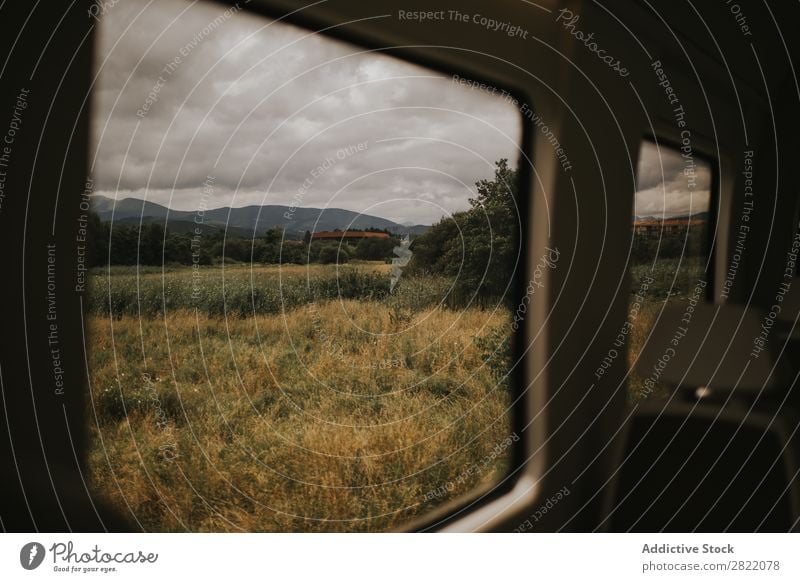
(247, 220)
(695, 216)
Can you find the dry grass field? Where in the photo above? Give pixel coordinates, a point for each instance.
(673, 281)
(328, 413)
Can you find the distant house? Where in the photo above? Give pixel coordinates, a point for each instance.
(669, 226)
(348, 236)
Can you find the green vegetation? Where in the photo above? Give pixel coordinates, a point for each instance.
(673, 280)
(242, 290)
(477, 247)
(150, 244)
(688, 245)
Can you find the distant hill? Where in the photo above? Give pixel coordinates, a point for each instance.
(695, 216)
(182, 226)
(248, 219)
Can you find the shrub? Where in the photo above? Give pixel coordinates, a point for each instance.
(333, 254)
(496, 352)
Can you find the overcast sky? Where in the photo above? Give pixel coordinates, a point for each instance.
(260, 106)
(662, 187)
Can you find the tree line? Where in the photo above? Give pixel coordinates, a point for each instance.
(153, 244)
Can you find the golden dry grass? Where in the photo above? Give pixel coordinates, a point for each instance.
(637, 338)
(336, 416)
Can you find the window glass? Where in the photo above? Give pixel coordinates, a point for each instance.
(670, 251)
(303, 262)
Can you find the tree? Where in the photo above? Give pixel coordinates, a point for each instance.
(478, 246)
(152, 244)
(124, 244)
(375, 249)
(498, 195)
(333, 254)
(178, 249)
(237, 249)
(98, 233)
(273, 236)
(291, 253)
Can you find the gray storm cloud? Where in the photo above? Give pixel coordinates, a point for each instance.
(662, 187)
(279, 115)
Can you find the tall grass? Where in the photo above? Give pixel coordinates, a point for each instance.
(339, 414)
(672, 277)
(673, 280)
(240, 291)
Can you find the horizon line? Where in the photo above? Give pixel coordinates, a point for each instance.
(294, 208)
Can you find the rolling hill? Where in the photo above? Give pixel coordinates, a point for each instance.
(247, 220)
(695, 216)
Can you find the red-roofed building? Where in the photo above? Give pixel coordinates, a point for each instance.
(655, 227)
(347, 235)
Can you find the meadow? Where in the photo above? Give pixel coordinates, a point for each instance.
(673, 280)
(299, 398)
